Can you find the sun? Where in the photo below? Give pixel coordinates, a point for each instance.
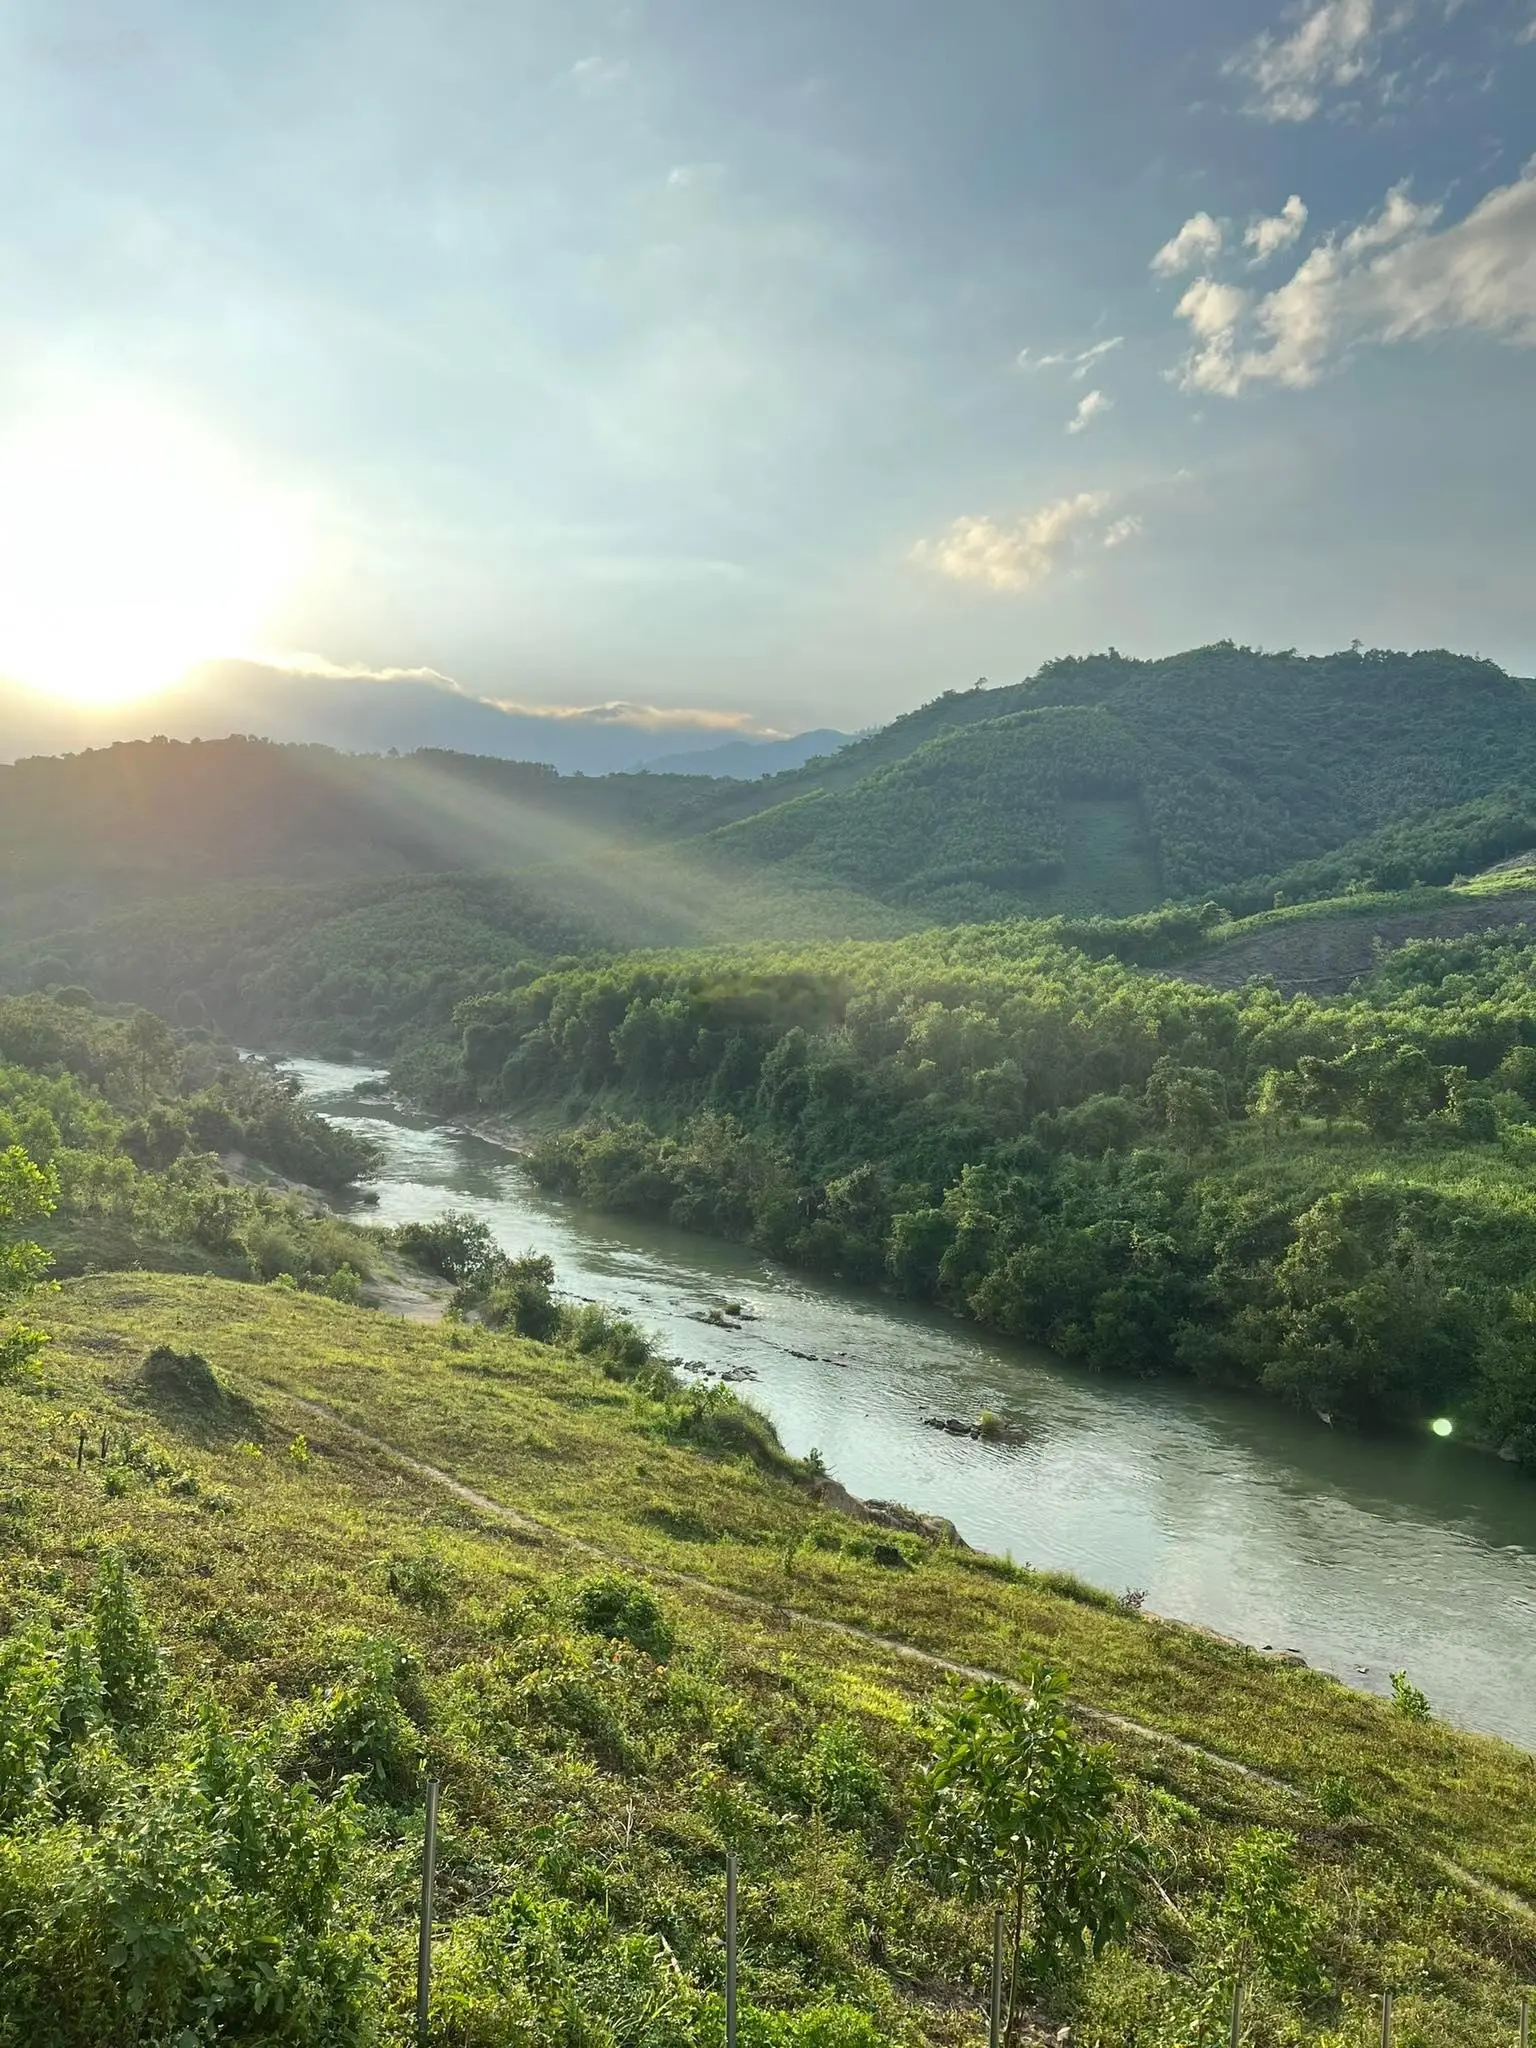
(130, 549)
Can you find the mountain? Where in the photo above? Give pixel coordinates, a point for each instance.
(1107, 785)
(377, 715)
(1100, 786)
(746, 760)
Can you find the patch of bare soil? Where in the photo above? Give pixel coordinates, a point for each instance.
(1325, 956)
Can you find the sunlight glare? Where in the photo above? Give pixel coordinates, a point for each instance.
(130, 549)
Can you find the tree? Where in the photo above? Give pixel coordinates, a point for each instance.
(1015, 1811)
(28, 1192)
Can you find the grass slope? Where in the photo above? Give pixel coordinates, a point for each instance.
(610, 1788)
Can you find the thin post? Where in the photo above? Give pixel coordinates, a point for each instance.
(730, 1950)
(1525, 2020)
(996, 2033)
(424, 1947)
(1386, 2019)
(1236, 2034)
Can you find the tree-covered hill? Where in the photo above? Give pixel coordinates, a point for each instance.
(1107, 784)
(1099, 785)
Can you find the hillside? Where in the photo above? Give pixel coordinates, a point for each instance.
(1108, 784)
(625, 1636)
(1101, 785)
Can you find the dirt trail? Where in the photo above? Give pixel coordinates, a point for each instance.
(892, 1645)
(400, 1290)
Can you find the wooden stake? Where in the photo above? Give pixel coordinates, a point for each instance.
(996, 2031)
(1525, 2021)
(1237, 2013)
(424, 1946)
(1386, 2019)
(730, 1950)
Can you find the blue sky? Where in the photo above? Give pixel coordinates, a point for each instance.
(800, 361)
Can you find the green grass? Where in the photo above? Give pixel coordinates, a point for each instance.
(254, 1563)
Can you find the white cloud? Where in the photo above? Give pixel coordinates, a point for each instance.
(1122, 530)
(1394, 278)
(1198, 241)
(1333, 46)
(304, 664)
(616, 711)
(1211, 308)
(1077, 365)
(642, 717)
(1091, 406)
(1020, 555)
(1267, 236)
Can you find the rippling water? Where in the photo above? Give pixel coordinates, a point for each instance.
(1366, 1555)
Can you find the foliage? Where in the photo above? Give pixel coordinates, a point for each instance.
(124, 1121)
(28, 1192)
(590, 1790)
(1016, 1812)
(625, 1611)
(1322, 1200)
(1407, 1699)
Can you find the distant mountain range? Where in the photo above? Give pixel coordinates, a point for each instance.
(373, 715)
(745, 760)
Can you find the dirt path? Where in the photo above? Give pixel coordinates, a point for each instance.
(891, 1645)
(396, 1289)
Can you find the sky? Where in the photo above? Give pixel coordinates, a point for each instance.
(785, 363)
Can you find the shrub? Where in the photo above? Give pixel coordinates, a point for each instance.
(127, 1655)
(360, 1727)
(1407, 1700)
(626, 1611)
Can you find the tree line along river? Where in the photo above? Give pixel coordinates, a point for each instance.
(1367, 1555)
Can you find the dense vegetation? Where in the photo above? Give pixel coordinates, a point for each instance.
(130, 1122)
(1109, 784)
(238, 1639)
(1102, 785)
(1328, 1201)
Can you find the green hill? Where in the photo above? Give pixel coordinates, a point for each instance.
(1101, 784)
(1107, 784)
(271, 1562)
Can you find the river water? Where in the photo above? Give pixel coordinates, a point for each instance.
(1366, 1555)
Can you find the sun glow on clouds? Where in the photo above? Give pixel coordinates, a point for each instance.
(131, 548)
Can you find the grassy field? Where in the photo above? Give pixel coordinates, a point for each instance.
(588, 1783)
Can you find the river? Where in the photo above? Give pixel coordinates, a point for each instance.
(1367, 1555)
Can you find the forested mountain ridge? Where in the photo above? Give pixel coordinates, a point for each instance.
(1101, 785)
(1191, 776)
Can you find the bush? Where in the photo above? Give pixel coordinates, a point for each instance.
(624, 1611)
(456, 1245)
(360, 1728)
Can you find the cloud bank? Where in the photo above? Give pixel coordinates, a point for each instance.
(1333, 46)
(1395, 277)
(1023, 554)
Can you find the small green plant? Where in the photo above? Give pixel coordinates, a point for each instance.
(1015, 1810)
(298, 1451)
(625, 1611)
(843, 1780)
(127, 1655)
(425, 1580)
(1338, 1798)
(1407, 1700)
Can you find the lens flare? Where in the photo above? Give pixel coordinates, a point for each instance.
(1442, 1425)
(130, 548)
